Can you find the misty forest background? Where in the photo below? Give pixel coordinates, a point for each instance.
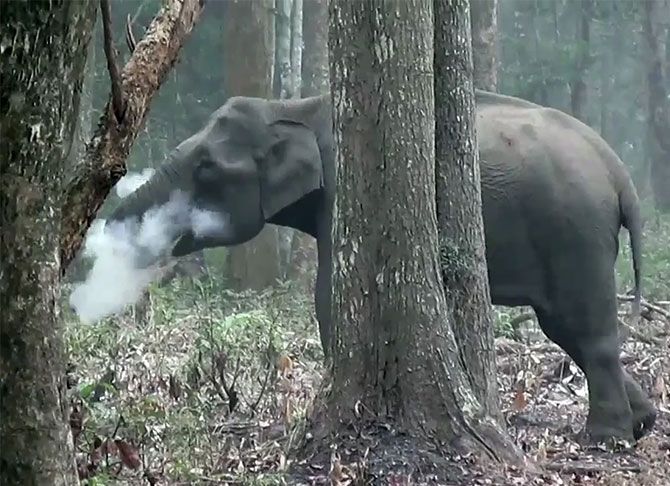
(200, 349)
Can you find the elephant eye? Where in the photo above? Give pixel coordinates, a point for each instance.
(205, 172)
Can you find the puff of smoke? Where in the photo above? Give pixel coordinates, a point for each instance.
(120, 249)
(131, 181)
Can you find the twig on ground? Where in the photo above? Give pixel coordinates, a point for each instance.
(647, 305)
(589, 468)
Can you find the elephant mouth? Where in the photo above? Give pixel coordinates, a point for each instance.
(183, 244)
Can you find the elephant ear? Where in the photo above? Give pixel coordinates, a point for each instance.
(292, 167)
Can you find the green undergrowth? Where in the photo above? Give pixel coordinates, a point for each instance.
(655, 257)
(205, 386)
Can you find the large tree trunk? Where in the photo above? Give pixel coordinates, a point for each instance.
(42, 72)
(249, 45)
(394, 354)
(484, 21)
(459, 204)
(656, 19)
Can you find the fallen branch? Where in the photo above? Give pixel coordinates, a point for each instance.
(589, 468)
(106, 153)
(647, 305)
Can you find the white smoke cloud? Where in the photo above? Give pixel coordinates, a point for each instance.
(115, 280)
(131, 181)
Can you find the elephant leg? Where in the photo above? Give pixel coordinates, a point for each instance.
(322, 305)
(597, 355)
(644, 412)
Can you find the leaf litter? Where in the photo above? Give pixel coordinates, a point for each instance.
(203, 393)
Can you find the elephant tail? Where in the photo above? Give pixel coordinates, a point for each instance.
(632, 220)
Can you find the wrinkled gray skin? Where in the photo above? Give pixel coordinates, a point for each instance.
(554, 198)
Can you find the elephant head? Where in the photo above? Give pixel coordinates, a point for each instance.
(252, 160)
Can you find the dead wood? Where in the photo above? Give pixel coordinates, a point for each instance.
(647, 305)
(589, 468)
(106, 153)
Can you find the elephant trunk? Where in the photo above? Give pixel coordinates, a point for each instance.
(154, 216)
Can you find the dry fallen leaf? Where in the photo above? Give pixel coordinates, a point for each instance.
(284, 364)
(129, 455)
(519, 402)
(659, 388)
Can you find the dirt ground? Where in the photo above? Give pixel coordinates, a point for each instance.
(544, 400)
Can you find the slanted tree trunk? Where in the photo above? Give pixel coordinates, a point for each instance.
(106, 154)
(656, 28)
(578, 88)
(484, 21)
(41, 76)
(459, 204)
(248, 52)
(395, 358)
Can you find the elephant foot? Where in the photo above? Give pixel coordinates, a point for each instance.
(643, 423)
(607, 438)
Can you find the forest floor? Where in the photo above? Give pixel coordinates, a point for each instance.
(216, 388)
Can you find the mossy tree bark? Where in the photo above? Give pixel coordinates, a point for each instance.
(459, 202)
(484, 22)
(248, 56)
(394, 352)
(41, 75)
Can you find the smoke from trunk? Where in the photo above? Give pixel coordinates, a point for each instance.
(126, 250)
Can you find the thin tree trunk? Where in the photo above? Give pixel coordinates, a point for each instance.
(41, 75)
(484, 21)
(394, 353)
(314, 77)
(578, 88)
(249, 46)
(459, 205)
(315, 53)
(658, 77)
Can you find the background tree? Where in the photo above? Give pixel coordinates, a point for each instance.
(657, 32)
(394, 351)
(484, 22)
(459, 202)
(249, 54)
(314, 82)
(578, 86)
(41, 77)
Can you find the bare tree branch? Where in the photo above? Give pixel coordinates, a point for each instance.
(130, 38)
(109, 147)
(118, 102)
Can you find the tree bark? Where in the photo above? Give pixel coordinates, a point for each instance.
(484, 21)
(656, 19)
(41, 75)
(459, 203)
(249, 46)
(578, 88)
(106, 155)
(394, 352)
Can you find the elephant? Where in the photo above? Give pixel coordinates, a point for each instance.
(554, 197)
